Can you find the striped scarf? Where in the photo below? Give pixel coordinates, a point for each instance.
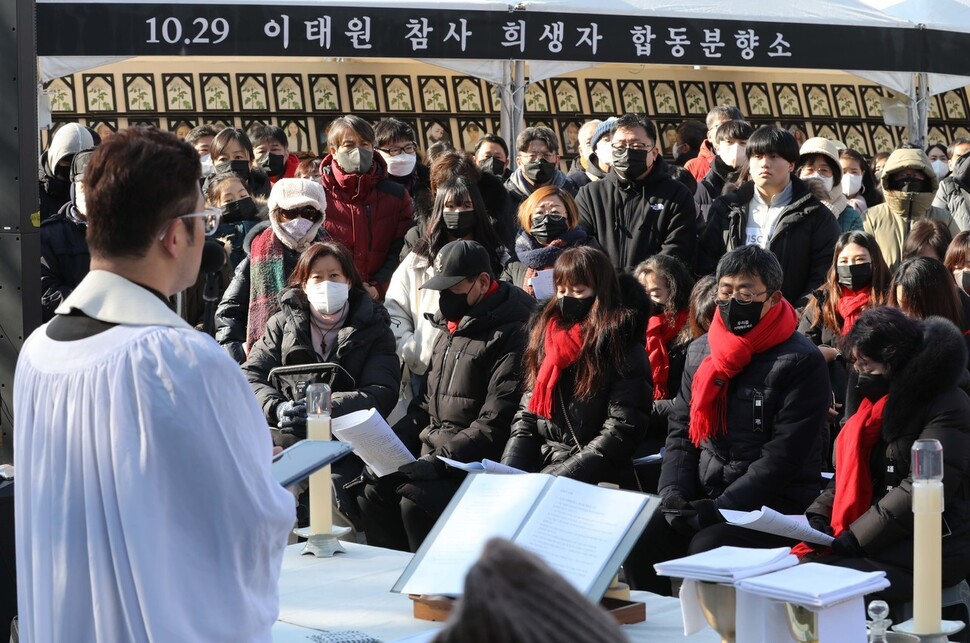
(266, 280)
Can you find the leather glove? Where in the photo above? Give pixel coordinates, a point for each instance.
(424, 468)
(674, 502)
(847, 546)
(820, 523)
(291, 417)
(707, 513)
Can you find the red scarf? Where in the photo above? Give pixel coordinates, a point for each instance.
(562, 348)
(661, 329)
(853, 482)
(730, 354)
(850, 306)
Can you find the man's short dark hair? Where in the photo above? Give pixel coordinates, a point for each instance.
(960, 140)
(773, 140)
(200, 131)
(738, 130)
(691, 133)
(391, 129)
(137, 180)
(266, 134)
(632, 121)
(492, 138)
(722, 113)
(537, 133)
(352, 122)
(754, 261)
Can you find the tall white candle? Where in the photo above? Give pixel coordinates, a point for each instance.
(927, 536)
(321, 508)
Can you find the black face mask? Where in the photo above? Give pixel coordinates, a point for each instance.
(242, 210)
(239, 168)
(871, 386)
(630, 164)
(453, 307)
(855, 276)
(62, 172)
(460, 223)
(539, 172)
(273, 164)
(492, 165)
(546, 228)
(574, 309)
(740, 317)
(908, 185)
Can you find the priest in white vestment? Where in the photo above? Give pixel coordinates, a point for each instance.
(145, 507)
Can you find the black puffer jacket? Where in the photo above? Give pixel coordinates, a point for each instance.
(777, 464)
(608, 426)
(365, 349)
(64, 258)
(475, 378)
(925, 402)
(634, 220)
(803, 239)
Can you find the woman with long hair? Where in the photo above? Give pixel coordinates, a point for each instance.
(957, 260)
(859, 185)
(232, 153)
(587, 398)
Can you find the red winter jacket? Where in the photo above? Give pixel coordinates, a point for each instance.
(370, 215)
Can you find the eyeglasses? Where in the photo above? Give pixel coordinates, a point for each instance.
(619, 147)
(535, 156)
(743, 296)
(410, 148)
(210, 221)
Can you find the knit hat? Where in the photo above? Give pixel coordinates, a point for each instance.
(825, 147)
(514, 597)
(68, 140)
(289, 194)
(603, 129)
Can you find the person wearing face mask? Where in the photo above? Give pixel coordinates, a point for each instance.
(867, 507)
(774, 210)
(55, 165)
(938, 157)
(366, 211)
(581, 176)
(326, 316)
(296, 217)
(957, 261)
(909, 185)
(272, 152)
(200, 137)
(954, 191)
(728, 167)
(638, 210)
(818, 165)
(491, 155)
(474, 388)
(586, 404)
(396, 143)
(859, 184)
(538, 158)
(64, 254)
(549, 223)
(719, 115)
(747, 428)
(231, 152)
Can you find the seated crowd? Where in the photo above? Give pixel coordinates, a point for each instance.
(772, 313)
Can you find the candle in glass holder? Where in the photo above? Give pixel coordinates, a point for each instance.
(318, 428)
(927, 458)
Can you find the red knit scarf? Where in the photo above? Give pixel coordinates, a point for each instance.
(853, 481)
(850, 306)
(266, 279)
(661, 330)
(730, 354)
(562, 348)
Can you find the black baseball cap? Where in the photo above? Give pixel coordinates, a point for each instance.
(457, 261)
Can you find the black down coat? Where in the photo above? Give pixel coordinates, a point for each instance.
(64, 258)
(803, 240)
(925, 402)
(776, 463)
(365, 349)
(608, 426)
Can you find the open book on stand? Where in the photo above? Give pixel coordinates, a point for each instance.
(582, 531)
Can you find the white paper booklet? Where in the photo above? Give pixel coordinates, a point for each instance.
(486, 466)
(815, 584)
(373, 440)
(728, 564)
(542, 284)
(770, 521)
(582, 531)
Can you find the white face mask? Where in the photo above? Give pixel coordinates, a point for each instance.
(827, 181)
(941, 168)
(604, 152)
(206, 160)
(79, 202)
(297, 228)
(400, 165)
(851, 184)
(734, 154)
(327, 297)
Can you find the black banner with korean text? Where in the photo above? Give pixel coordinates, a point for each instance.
(128, 29)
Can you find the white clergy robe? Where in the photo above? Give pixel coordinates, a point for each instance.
(145, 507)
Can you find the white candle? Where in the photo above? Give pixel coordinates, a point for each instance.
(321, 508)
(927, 458)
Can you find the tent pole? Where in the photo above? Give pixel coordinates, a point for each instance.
(922, 111)
(518, 96)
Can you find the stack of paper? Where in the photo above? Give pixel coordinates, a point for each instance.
(728, 564)
(815, 584)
